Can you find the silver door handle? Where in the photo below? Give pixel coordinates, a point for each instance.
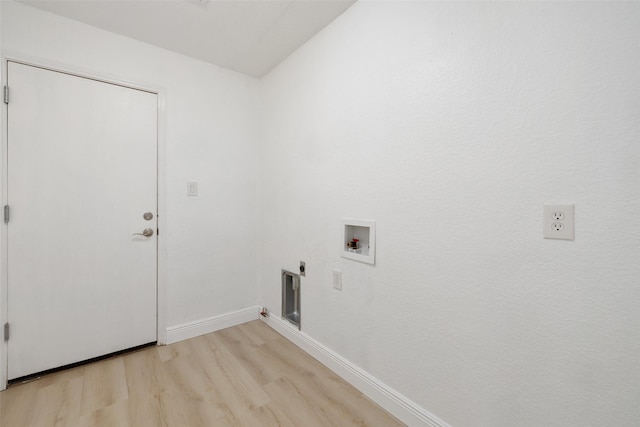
(147, 232)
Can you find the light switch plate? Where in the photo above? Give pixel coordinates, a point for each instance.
(559, 222)
(337, 280)
(192, 188)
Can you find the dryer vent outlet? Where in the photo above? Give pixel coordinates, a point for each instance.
(291, 297)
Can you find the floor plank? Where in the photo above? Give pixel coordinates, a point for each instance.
(104, 383)
(248, 375)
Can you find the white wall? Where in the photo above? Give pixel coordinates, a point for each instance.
(211, 137)
(451, 125)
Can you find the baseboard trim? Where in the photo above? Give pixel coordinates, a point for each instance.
(395, 403)
(211, 324)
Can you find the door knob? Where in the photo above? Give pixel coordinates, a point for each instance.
(147, 232)
(148, 216)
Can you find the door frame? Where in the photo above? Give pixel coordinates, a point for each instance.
(161, 262)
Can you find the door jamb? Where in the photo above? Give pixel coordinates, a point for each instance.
(161, 250)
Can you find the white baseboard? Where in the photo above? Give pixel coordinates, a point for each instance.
(212, 324)
(395, 403)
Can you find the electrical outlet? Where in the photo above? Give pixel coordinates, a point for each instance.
(302, 269)
(559, 222)
(337, 280)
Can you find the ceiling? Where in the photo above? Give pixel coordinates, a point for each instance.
(248, 36)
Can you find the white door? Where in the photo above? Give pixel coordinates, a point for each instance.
(81, 175)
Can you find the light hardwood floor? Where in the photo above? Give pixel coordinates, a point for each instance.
(248, 375)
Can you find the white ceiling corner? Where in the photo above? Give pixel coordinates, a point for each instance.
(248, 36)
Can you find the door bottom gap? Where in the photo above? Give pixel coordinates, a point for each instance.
(38, 375)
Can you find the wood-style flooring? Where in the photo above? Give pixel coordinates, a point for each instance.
(248, 375)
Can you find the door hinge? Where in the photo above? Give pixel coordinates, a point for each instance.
(6, 331)
(6, 94)
(6, 213)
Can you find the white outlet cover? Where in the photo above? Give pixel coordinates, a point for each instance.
(559, 222)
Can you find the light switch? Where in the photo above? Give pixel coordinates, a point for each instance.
(337, 280)
(192, 188)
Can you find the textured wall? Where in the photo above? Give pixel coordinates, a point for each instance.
(452, 125)
(211, 137)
